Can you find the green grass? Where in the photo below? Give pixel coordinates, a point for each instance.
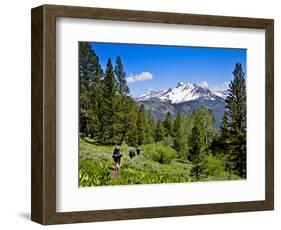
(157, 164)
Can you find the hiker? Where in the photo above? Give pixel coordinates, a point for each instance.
(132, 153)
(138, 150)
(117, 157)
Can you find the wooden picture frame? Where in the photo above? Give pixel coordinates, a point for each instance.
(43, 189)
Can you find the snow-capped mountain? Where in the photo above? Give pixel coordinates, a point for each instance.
(152, 94)
(183, 92)
(222, 93)
(184, 98)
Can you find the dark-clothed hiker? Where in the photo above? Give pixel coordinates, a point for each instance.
(138, 150)
(117, 157)
(132, 153)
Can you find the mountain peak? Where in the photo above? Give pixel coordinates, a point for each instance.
(184, 91)
(183, 83)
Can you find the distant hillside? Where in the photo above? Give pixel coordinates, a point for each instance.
(184, 99)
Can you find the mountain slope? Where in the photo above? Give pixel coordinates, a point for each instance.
(184, 99)
(184, 91)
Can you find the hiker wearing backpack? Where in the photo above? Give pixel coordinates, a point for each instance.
(117, 157)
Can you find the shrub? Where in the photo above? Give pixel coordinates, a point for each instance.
(158, 152)
(89, 140)
(214, 166)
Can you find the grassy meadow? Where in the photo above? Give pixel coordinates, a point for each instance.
(158, 163)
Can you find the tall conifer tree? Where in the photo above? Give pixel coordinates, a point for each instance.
(168, 124)
(141, 125)
(159, 131)
(196, 155)
(178, 133)
(131, 125)
(87, 60)
(96, 102)
(109, 105)
(90, 74)
(236, 119)
(121, 84)
(150, 128)
(123, 105)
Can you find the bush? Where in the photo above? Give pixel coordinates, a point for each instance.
(214, 166)
(89, 140)
(158, 152)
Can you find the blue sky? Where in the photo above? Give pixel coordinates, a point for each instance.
(158, 67)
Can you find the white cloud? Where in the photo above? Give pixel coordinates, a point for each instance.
(203, 84)
(221, 87)
(130, 80)
(144, 76)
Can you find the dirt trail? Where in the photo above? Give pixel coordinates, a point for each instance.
(114, 174)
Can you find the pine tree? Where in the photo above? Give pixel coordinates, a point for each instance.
(200, 141)
(236, 116)
(196, 155)
(109, 105)
(205, 122)
(224, 127)
(90, 75)
(122, 107)
(122, 87)
(141, 125)
(221, 141)
(168, 124)
(159, 131)
(178, 133)
(150, 128)
(96, 102)
(195, 144)
(176, 125)
(87, 65)
(131, 125)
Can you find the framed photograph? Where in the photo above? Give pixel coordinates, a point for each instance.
(140, 114)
